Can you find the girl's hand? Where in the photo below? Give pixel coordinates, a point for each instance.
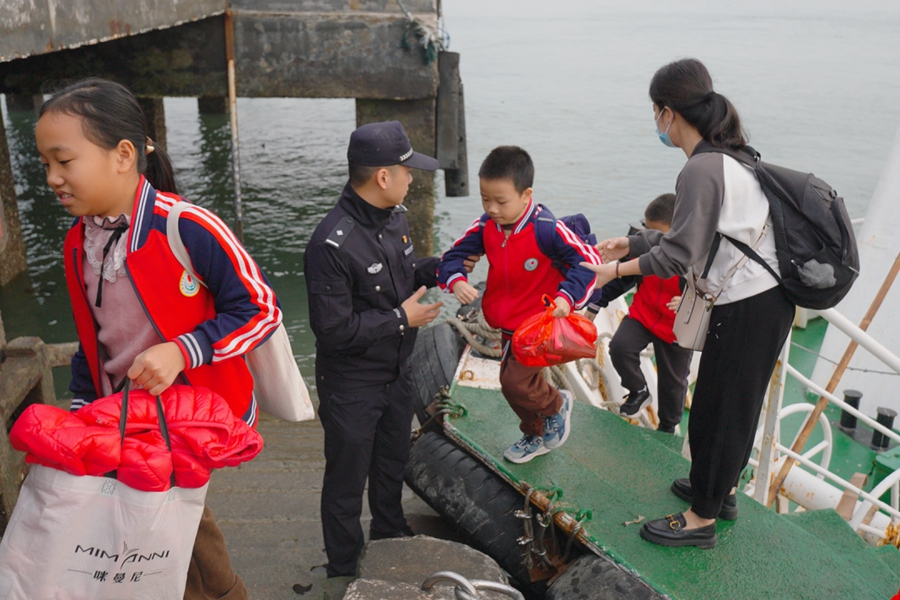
(673, 303)
(613, 249)
(464, 292)
(562, 307)
(605, 272)
(156, 368)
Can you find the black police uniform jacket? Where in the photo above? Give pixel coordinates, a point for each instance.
(360, 266)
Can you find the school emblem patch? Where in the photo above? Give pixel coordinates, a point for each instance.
(188, 285)
(531, 264)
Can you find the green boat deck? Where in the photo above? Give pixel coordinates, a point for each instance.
(621, 473)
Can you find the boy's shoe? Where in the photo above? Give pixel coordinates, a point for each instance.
(525, 449)
(557, 427)
(682, 488)
(635, 402)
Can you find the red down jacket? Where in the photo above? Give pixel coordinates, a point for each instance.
(203, 430)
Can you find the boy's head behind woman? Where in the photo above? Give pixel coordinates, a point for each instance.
(506, 177)
(658, 214)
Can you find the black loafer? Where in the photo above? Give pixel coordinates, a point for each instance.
(379, 535)
(682, 489)
(671, 532)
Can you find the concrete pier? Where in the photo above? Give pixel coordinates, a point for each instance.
(12, 246)
(314, 49)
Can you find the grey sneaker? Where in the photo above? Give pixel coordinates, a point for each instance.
(557, 427)
(525, 449)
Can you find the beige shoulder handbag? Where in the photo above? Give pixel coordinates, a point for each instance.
(692, 316)
(277, 384)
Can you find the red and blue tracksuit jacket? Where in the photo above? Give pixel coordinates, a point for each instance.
(214, 325)
(520, 274)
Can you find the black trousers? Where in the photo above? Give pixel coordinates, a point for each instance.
(740, 353)
(367, 436)
(672, 366)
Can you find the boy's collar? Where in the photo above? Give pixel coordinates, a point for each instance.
(525, 217)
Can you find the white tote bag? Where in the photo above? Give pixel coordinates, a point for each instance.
(277, 384)
(95, 538)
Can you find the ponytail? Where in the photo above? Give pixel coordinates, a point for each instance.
(159, 171)
(686, 87)
(110, 113)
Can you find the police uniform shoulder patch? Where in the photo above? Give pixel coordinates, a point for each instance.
(340, 232)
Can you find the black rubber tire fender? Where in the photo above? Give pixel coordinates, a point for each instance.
(434, 361)
(591, 577)
(478, 502)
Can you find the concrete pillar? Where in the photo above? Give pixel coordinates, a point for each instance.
(24, 102)
(418, 118)
(212, 105)
(12, 246)
(155, 116)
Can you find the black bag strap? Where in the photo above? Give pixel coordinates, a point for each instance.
(123, 417)
(747, 250)
(712, 255)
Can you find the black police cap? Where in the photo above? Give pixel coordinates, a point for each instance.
(384, 145)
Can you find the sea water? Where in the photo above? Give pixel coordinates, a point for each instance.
(816, 84)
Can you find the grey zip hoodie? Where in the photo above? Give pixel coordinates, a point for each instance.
(714, 192)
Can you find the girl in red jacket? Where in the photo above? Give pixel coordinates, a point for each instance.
(139, 315)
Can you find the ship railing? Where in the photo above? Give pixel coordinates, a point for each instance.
(771, 450)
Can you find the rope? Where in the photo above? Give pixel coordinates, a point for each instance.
(474, 324)
(826, 359)
(417, 32)
(556, 377)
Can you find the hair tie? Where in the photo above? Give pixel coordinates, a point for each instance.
(150, 146)
(710, 96)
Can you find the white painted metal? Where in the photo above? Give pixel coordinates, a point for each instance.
(861, 337)
(879, 245)
(769, 433)
(839, 402)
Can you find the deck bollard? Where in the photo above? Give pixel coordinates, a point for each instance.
(886, 418)
(848, 421)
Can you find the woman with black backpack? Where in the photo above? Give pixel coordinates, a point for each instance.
(716, 196)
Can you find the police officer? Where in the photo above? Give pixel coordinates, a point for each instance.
(364, 283)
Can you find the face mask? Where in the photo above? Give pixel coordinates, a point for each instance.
(664, 136)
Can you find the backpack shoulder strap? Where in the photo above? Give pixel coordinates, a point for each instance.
(176, 244)
(747, 155)
(750, 252)
(544, 230)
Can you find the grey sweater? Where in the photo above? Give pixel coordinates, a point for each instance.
(713, 193)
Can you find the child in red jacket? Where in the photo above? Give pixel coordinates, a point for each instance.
(650, 321)
(518, 277)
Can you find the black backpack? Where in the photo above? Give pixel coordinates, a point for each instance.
(814, 242)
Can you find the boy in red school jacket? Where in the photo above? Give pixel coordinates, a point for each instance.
(519, 275)
(650, 321)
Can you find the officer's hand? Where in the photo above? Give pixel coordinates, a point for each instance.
(156, 368)
(469, 264)
(464, 292)
(417, 314)
(562, 307)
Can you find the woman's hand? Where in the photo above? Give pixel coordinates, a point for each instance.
(673, 303)
(156, 368)
(615, 248)
(605, 272)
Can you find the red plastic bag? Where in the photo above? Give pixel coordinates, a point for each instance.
(544, 340)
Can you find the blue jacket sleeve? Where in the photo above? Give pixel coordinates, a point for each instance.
(82, 384)
(579, 283)
(247, 311)
(451, 268)
(609, 292)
